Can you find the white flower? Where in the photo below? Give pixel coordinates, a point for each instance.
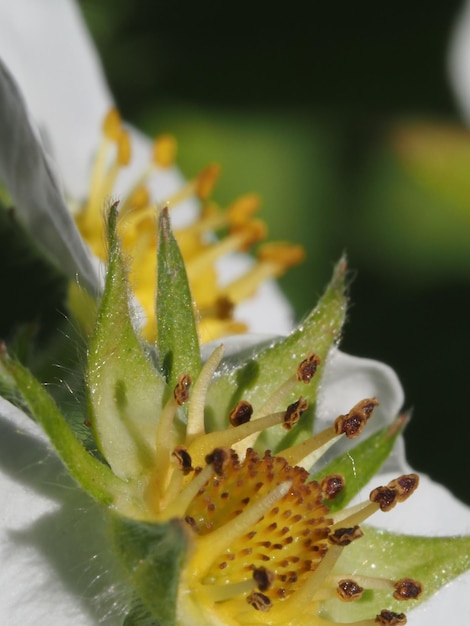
(45, 46)
(56, 570)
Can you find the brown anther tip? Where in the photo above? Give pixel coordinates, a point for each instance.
(352, 424)
(407, 589)
(259, 601)
(263, 578)
(385, 497)
(221, 459)
(3, 347)
(181, 391)
(344, 536)
(331, 486)
(184, 459)
(308, 367)
(348, 590)
(367, 406)
(389, 618)
(404, 486)
(241, 413)
(224, 308)
(293, 413)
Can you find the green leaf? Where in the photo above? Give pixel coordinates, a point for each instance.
(433, 561)
(152, 556)
(124, 389)
(361, 463)
(178, 342)
(95, 477)
(258, 378)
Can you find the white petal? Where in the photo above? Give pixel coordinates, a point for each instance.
(54, 569)
(29, 176)
(47, 47)
(459, 60)
(347, 380)
(52, 56)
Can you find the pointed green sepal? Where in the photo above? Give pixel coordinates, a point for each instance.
(124, 389)
(360, 464)
(95, 477)
(257, 379)
(178, 342)
(152, 556)
(432, 561)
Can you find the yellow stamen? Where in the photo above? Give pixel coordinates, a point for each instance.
(238, 240)
(195, 426)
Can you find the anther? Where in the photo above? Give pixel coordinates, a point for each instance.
(331, 486)
(242, 209)
(184, 459)
(308, 367)
(397, 490)
(181, 391)
(221, 459)
(293, 413)
(263, 578)
(259, 601)
(250, 233)
(206, 181)
(407, 589)
(345, 536)
(348, 590)
(241, 413)
(281, 255)
(404, 486)
(112, 124)
(383, 496)
(352, 424)
(388, 618)
(164, 151)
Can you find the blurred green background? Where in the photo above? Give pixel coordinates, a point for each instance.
(341, 117)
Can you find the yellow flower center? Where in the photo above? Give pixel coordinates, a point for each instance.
(239, 230)
(264, 546)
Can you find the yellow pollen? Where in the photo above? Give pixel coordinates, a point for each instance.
(112, 125)
(201, 249)
(206, 180)
(242, 209)
(164, 151)
(282, 254)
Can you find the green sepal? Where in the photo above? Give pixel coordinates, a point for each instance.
(178, 342)
(24, 390)
(433, 561)
(124, 388)
(152, 557)
(360, 464)
(258, 378)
